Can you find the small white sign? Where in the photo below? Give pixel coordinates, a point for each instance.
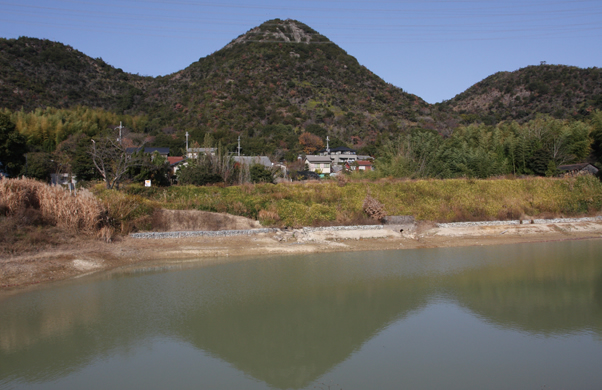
(147, 183)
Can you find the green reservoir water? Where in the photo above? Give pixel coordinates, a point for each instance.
(525, 316)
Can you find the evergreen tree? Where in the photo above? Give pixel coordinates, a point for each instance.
(13, 147)
(260, 174)
(197, 174)
(151, 167)
(596, 136)
(39, 166)
(539, 162)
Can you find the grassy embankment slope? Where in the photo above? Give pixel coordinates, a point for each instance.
(340, 203)
(35, 216)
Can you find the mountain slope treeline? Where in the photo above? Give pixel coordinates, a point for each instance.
(46, 128)
(271, 86)
(563, 92)
(38, 73)
(268, 86)
(297, 78)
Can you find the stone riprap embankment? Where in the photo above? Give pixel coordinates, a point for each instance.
(248, 232)
(310, 230)
(203, 233)
(519, 222)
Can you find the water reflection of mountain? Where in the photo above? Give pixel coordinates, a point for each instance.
(287, 322)
(536, 291)
(289, 339)
(49, 334)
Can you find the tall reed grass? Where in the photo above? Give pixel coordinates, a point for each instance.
(81, 213)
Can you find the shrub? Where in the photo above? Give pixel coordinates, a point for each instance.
(127, 212)
(197, 175)
(268, 217)
(260, 174)
(373, 208)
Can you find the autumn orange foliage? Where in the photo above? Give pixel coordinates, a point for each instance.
(310, 142)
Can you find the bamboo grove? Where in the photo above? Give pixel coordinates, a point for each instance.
(536, 147)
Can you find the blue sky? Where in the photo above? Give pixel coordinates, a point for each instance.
(434, 49)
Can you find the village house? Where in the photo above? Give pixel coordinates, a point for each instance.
(63, 179)
(318, 164)
(175, 163)
(253, 160)
(195, 152)
(577, 169)
(359, 165)
(339, 155)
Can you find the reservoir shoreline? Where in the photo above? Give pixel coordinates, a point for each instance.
(18, 273)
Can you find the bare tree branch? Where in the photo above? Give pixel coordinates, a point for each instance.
(112, 160)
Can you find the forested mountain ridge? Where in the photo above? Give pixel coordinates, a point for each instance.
(563, 92)
(285, 73)
(268, 85)
(38, 73)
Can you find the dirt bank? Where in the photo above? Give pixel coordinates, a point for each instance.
(90, 255)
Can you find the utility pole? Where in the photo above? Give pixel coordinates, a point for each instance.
(186, 144)
(120, 128)
(238, 146)
(327, 147)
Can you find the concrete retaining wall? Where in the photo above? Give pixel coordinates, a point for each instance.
(336, 228)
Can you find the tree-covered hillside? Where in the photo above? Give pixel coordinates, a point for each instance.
(563, 92)
(37, 73)
(283, 73)
(268, 86)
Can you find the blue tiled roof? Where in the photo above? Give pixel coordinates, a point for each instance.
(164, 151)
(160, 150)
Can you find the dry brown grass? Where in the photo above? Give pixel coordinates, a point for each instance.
(186, 220)
(18, 237)
(342, 180)
(18, 194)
(81, 213)
(269, 217)
(35, 216)
(106, 233)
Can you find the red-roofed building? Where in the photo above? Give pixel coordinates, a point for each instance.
(174, 163)
(174, 160)
(359, 165)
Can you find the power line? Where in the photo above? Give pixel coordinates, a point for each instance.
(461, 24)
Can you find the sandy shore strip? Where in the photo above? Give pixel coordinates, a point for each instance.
(92, 256)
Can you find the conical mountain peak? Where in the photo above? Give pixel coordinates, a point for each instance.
(281, 31)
